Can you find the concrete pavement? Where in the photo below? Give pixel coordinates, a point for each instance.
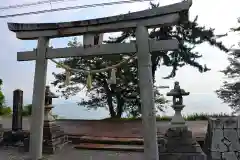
(108, 128)
(98, 129)
(72, 154)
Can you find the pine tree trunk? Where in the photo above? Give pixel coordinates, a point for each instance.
(110, 106)
(109, 100)
(155, 61)
(120, 104)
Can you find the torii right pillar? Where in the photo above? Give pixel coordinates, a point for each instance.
(146, 94)
(180, 143)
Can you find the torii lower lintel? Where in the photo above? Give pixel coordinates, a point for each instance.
(103, 49)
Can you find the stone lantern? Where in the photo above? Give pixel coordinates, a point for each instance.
(180, 143)
(53, 136)
(48, 104)
(177, 93)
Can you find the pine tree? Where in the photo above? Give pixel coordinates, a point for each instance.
(124, 96)
(229, 92)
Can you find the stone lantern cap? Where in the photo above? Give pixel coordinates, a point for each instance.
(177, 93)
(50, 94)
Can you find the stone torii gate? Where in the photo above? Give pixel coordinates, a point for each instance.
(141, 21)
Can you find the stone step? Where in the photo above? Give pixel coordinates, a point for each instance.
(106, 140)
(56, 141)
(55, 134)
(55, 148)
(110, 147)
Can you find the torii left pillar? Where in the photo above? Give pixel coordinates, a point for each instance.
(37, 118)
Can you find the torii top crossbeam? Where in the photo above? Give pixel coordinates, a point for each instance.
(166, 15)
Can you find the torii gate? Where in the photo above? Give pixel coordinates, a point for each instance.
(142, 20)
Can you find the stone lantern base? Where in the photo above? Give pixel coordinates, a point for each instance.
(177, 119)
(54, 137)
(181, 145)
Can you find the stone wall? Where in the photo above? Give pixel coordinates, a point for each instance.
(222, 140)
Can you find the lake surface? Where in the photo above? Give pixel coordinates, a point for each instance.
(74, 111)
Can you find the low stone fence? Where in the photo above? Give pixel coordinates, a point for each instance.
(222, 138)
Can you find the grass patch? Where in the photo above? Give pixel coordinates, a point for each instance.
(190, 117)
(203, 116)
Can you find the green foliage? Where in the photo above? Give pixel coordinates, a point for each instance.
(229, 92)
(5, 111)
(2, 98)
(203, 116)
(125, 95)
(27, 110)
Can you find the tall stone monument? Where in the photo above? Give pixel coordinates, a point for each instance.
(180, 143)
(1, 130)
(17, 110)
(16, 136)
(54, 137)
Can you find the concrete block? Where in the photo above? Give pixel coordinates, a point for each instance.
(217, 144)
(216, 123)
(215, 155)
(230, 123)
(182, 156)
(232, 136)
(229, 156)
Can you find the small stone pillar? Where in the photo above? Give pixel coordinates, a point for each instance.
(0, 125)
(17, 110)
(180, 143)
(1, 129)
(53, 136)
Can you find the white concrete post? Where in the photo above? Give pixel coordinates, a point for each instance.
(146, 94)
(36, 130)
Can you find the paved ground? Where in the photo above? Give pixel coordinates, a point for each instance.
(97, 128)
(112, 128)
(72, 154)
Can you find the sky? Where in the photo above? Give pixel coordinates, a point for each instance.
(219, 14)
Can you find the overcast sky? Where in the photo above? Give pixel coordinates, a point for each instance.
(218, 14)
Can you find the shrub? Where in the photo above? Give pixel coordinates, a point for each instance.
(5, 111)
(27, 110)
